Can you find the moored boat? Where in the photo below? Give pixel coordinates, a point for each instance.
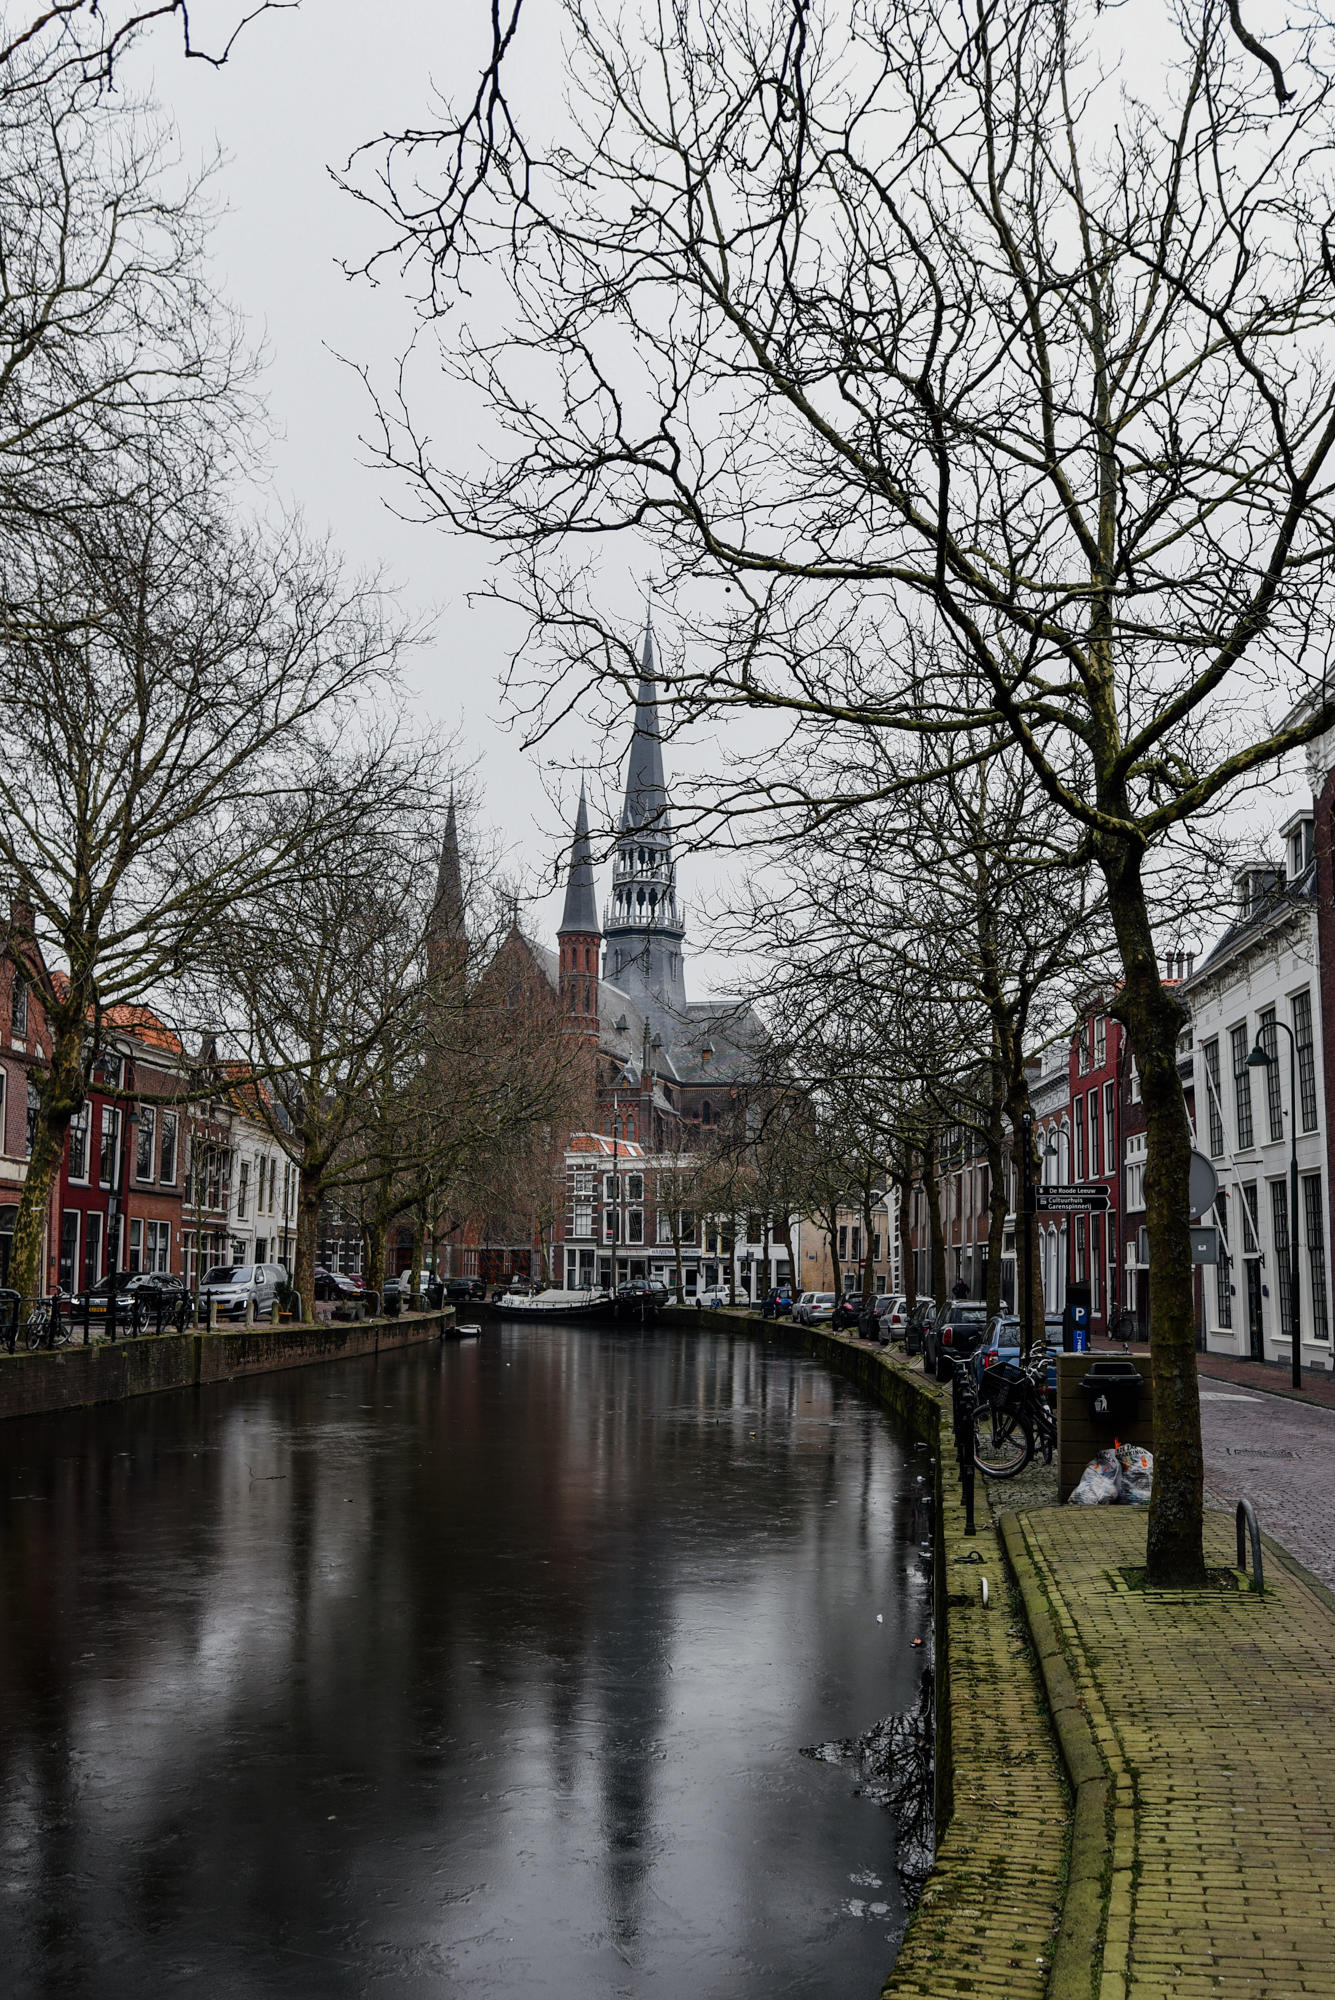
(551, 1304)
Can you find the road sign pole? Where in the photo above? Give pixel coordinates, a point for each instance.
(1027, 1198)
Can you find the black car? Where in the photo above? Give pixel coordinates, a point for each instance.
(459, 1289)
(847, 1312)
(959, 1327)
(919, 1320)
(334, 1285)
(871, 1314)
(144, 1298)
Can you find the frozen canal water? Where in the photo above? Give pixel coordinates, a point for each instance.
(477, 1670)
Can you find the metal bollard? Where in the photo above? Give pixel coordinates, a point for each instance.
(273, 1312)
(1247, 1524)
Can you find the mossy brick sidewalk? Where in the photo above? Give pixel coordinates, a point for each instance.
(1212, 1719)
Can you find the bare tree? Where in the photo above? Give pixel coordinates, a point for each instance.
(166, 682)
(990, 379)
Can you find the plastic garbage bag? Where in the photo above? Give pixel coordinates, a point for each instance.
(1137, 1474)
(1100, 1482)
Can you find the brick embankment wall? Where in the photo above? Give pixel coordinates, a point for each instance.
(990, 1911)
(110, 1372)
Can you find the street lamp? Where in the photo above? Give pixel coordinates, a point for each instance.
(1263, 1058)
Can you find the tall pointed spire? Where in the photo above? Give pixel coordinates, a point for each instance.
(581, 906)
(646, 791)
(447, 913)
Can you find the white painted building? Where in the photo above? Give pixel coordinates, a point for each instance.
(262, 1206)
(1259, 980)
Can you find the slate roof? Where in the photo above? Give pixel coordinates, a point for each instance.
(581, 905)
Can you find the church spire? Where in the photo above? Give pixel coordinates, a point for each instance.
(646, 792)
(581, 905)
(447, 933)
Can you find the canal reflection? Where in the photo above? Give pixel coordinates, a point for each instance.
(475, 1670)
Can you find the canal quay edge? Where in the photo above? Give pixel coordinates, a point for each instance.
(69, 1378)
(1016, 1903)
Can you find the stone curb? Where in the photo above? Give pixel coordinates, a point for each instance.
(1080, 1937)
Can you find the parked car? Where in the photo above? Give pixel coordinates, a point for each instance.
(847, 1311)
(398, 1291)
(459, 1289)
(916, 1324)
(335, 1285)
(777, 1304)
(142, 1289)
(233, 1287)
(955, 1331)
(1001, 1343)
(820, 1308)
(881, 1316)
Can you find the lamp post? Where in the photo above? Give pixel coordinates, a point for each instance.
(1263, 1058)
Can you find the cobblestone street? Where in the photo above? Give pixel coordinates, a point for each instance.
(1278, 1454)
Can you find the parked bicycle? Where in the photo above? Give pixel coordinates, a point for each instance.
(1012, 1418)
(46, 1323)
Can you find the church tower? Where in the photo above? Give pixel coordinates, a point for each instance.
(447, 935)
(579, 937)
(643, 924)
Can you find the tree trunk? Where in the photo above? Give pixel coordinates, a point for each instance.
(62, 1092)
(940, 1289)
(1153, 1017)
(786, 1238)
(868, 1273)
(310, 1193)
(373, 1237)
(907, 1271)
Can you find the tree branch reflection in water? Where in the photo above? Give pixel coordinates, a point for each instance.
(896, 1764)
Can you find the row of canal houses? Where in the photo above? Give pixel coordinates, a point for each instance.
(156, 1175)
(1271, 975)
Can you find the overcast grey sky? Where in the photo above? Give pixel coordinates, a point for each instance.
(301, 90)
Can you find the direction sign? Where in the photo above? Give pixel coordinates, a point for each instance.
(1077, 1198)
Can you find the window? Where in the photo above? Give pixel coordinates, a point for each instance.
(1095, 1148)
(78, 1145)
(706, 1113)
(1279, 1220)
(755, 1228)
(1078, 1114)
(664, 1226)
(843, 1240)
(876, 1246)
(584, 1181)
(1268, 1036)
(1251, 1223)
(92, 1246)
(609, 1187)
(18, 1008)
(1314, 1229)
(1135, 1171)
(1301, 1006)
(634, 1187)
(687, 1226)
(582, 1220)
(1242, 1088)
(242, 1189)
(1223, 1270)
(69, 1249)
(1109, 1128)
(1135, 1082)
(167, 1161)
(136, 1250)
(1210, 1051)
(1101, 1041)
(609, 1225)
(635, 1225)
(1082, 1048)
(106, 1159)
(145, 1134)
(157, 1246)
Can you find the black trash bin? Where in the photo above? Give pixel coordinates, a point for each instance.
(1111, 1386)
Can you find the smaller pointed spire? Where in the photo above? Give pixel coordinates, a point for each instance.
(581, 905)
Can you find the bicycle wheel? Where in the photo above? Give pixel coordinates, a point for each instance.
(62, 1325)
(39, 1321)
(1003, 1441)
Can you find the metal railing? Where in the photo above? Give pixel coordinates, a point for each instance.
(964, 1404)
(1247, 1524)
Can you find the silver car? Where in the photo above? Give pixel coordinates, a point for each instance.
(233, 1287)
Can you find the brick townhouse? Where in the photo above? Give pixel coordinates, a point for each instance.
(24, 1047)
(122, 1175)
